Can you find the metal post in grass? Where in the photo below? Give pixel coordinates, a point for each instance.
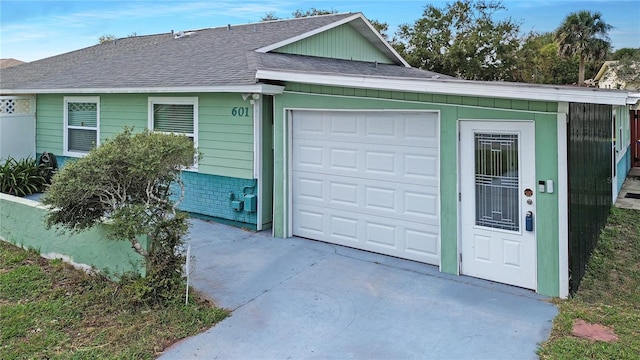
(188, 271)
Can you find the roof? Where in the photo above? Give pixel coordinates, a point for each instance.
(201, 59)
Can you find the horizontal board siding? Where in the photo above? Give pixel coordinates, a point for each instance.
(226, 141)
(118, 111)
(49, 123)
(342, 42)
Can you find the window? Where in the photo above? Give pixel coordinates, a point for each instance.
(81, 125)
(175, 115)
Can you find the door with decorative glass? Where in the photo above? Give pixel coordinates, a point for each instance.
(497, 201)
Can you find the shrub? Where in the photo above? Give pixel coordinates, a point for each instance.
(128, 180)
(22, 177)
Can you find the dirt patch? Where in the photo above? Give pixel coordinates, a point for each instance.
(593, 332)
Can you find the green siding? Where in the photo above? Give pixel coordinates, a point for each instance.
(342, 42)
(267, 161)
(22, 222)
(226, 141)
(547, 216)
(451, 109)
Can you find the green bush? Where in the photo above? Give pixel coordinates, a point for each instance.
(22, 177)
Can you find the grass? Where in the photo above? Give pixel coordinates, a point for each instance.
(609, 295)
(49, 310)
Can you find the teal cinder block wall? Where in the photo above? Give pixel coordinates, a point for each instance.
(209, 195)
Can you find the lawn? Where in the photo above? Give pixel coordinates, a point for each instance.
(609, 295)
(49, 310)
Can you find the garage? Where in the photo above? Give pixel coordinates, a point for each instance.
(368, 180)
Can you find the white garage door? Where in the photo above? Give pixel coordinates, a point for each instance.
(368, 180)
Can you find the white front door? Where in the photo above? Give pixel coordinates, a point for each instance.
(497, 196)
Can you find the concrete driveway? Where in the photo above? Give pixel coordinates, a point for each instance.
(297, 298)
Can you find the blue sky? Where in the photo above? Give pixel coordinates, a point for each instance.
(32, 30)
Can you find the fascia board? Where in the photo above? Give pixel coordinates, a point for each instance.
(258, 88)
(383, 41)
(454, 87)
(633, 98)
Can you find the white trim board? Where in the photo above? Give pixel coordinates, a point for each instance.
(456, 87)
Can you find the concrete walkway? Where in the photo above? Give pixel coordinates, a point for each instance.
(631, 186)
(297, 298)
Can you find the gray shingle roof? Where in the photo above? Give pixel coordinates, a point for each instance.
(317, 65)
(201, 58)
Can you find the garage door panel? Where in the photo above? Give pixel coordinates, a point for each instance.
(421, 167)
(394, 163)
(343, 126)
(380, 163)
(344, 228)
(399, 238)
(310, 189)
(311, 222)
(311, 156)
(381, 198)
(422, 242)
(368, 180)
(343, 159)
(386, 128)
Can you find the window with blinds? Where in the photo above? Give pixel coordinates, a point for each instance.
(176, 115)
(174, 118)
(81, 125)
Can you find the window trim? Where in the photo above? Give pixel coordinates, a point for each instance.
(65, 136)
(176, 101)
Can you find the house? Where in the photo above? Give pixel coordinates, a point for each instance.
(607, 77)
(317, 128)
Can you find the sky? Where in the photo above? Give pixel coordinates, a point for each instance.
(32, 30)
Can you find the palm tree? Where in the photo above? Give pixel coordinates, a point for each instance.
(583, 34)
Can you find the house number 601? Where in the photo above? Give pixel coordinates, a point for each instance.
(240, 111)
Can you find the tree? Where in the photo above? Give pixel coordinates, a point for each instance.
(625, 53)
(130, 181)
(583, 34)
(381, 27)
(627, 67)
(106, 38)
(462, 39)
(312, 12)
(538, 62)
(270, 16)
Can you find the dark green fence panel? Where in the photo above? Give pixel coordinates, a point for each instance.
(590, 188)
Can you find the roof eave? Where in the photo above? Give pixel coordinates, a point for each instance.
(455, 87)
(265, 89)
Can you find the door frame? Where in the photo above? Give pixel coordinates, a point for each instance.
(459, 191)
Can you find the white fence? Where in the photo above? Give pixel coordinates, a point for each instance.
(17, 127)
